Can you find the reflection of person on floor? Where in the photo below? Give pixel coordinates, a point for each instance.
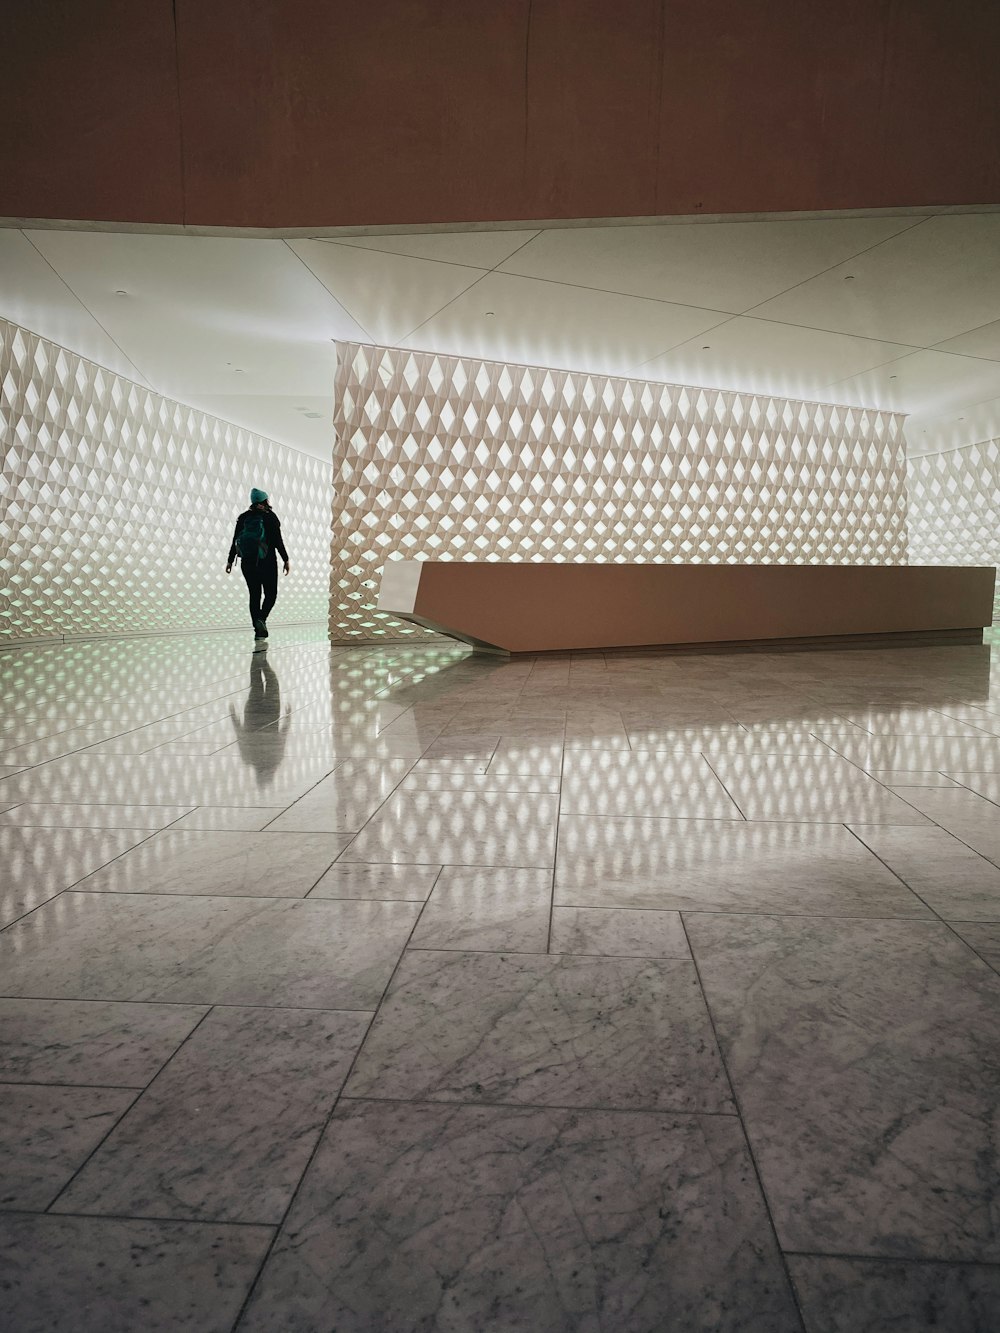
(259, 733)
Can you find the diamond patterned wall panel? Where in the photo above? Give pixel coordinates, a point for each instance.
(461, 459)
(954, 507)
(117, 505)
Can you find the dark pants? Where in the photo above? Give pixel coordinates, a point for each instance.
(262, 581)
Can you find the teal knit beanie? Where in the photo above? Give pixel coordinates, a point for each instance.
(257, 496)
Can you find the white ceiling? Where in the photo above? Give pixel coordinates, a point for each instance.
(893, 312)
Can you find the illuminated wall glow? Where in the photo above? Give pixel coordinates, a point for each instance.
(118, 504)
(954, 507)
(461, 459)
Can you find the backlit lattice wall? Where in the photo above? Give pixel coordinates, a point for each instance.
(117, 505)
(461, 459)
(954, 507)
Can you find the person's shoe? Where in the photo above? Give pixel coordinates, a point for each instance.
(259, 629)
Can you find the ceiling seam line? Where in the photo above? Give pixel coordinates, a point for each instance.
(399, 254)
(483, 274)
(76, 297)
(673, 346)
(332, 296)
(903, 231)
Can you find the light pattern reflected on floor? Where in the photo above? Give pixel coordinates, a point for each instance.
(397, 988)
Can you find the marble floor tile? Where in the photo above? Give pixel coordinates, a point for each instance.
(38, 863)
(108, 946)
(864, 1055)
(142, 742)
(945, 754)
(648, 726)
(972, 818)
(720, 738)
(950, 877)
(983, 784)
(89, 1042)
(94, 816)
(517, 755)
(423, 778)
(982, 720)
(228, 818)
(984, 937)
(226, 1129)
(617, 1033)
(609, 931)
(161, 780)
(439, 764)
(365, 880)
(472, 745)
(460, 828)
(507, 1218)
(384, 746)
(809, 788)
(102, 1275)
(469, 725)
(195, 861)
(724, 866)
(346, 800)
(911, 722)
(597, 733)
(494, 910)
(864, 1050)
(634, 784)
(873, 1296)
(52, 747)
(46, 1134)
(182, 747)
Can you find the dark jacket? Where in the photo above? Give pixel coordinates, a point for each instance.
(272, 534)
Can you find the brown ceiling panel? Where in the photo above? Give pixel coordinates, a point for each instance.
(857, 104)
(308, 113)
(91, 123)
(592, 96)
(321, 113)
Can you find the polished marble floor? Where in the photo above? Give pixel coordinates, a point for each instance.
(389, 989)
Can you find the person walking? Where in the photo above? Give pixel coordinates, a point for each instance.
(257, 542)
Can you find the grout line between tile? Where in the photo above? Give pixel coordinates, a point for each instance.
(118, 1120)
(326, 1123)
(742, 1120)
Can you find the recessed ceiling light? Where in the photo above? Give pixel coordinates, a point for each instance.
(121, 292)
(706, 347)
(490, 314)
(892, 377)
(239, 372)
(848, 277)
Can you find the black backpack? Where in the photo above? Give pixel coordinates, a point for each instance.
(252, 541)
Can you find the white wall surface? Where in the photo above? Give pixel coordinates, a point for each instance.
(463, 459)
(117, 505)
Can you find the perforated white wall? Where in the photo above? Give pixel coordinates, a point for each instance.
(455, 458)
(117, 505)
(954, 507)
